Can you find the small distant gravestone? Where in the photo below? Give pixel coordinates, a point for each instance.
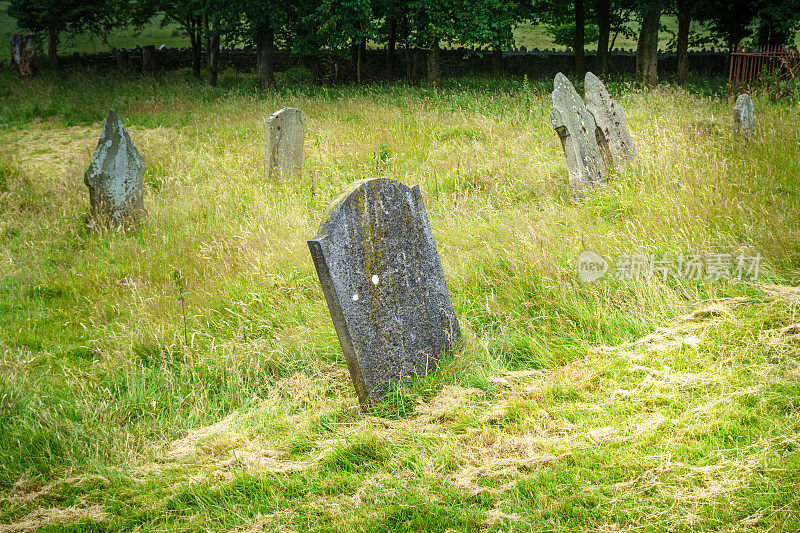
(576, 129)
(612, 132)
(122, 58)
(285, 136)
(383, 281)
(114, 176)
(149, 63)
(23, 54)
(744, 115)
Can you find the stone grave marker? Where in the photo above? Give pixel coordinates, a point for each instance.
(23, 54)
(384, 285)
(744, 115)
(114, 176)
(612, 132)
(285, 136)
(576, 129)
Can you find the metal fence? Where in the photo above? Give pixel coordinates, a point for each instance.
(770, 66)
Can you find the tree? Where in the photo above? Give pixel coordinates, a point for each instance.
(778, 21)
(647, 46)
(70, 17)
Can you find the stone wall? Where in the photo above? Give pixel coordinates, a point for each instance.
(456, 61)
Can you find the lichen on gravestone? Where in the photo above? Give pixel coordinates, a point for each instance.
(285, 137)
(613, 137)
(114, 176)
(744, 115)
(576, 130)
(384, 284)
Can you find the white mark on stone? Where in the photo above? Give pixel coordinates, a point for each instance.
(355, 297)
(375, 279)
(108, 143)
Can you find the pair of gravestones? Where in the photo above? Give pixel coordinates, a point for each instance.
(594, 133)
(114, 176)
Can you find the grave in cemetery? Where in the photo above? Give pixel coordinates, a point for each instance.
(114, 176)
(744, 115)
(285, 136)
(612, 133)
(575, 126)
(384, 285)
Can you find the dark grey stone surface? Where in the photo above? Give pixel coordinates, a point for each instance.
(383, 281)
(114, 176)
(612, 133)
(285, 137)
(744, 115)
(576, 129)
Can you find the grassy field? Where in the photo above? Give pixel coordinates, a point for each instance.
(620, 405)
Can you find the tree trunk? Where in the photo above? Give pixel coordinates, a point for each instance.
(579, 37)
(265, 47)
(604, 25)
(435, 66)
(362, 51)
(206, 39)
(497, 62)
(52, 46)
(213, 59)
(416, 65)
(315, 68)
(197, 52)
(149, 64)
(23, 54)
(683, 43)
(647, 47)
(390, 48)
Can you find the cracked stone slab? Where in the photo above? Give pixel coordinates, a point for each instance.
(384, 285)
(575, 126)
(612, 133)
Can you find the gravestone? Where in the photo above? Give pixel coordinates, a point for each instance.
(23, 54)
(744, 115)
(149, 63)
(612, 132)
(384, 285)
(114, 176)
(576, 129)
(285, 136)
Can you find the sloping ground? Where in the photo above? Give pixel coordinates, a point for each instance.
(694, 426)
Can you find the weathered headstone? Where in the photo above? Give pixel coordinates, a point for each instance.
(576, 129)
(612, 132)
(384, 284)
(285, 136)
(114, 176)
(744, 115)
(149, 63)
(23, 54)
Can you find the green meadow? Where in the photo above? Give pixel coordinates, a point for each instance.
(129, 401)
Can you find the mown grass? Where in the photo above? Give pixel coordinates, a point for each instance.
(609, 406)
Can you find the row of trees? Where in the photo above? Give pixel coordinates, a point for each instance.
(418, 27)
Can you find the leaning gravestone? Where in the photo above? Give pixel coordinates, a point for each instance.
(283, 154)
(612, 132)
(744, 115)
(23, 54)
(114, 176)
(380, 272)
(576, 129)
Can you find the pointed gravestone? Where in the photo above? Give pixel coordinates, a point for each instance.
(744, 115)
(114, 176)
(380, 272)
(612, 132)
(286, 133)
(576, 129)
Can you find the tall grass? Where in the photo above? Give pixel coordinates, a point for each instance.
(547, 418)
